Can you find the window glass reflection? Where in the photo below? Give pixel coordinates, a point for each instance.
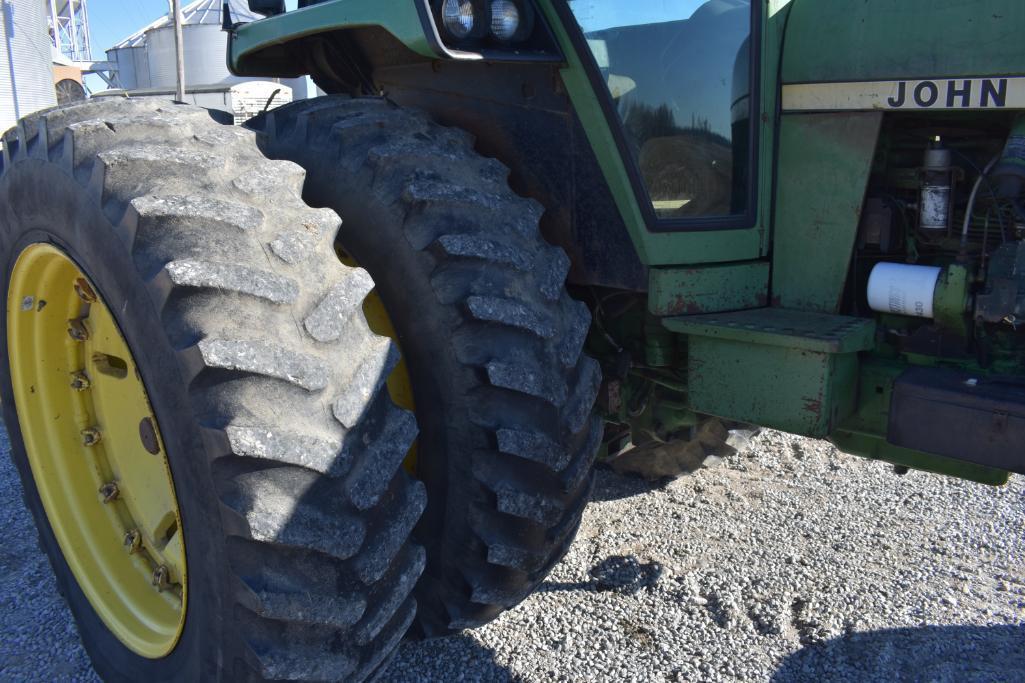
(678, 72)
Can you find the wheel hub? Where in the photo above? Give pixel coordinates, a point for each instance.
(95, 451)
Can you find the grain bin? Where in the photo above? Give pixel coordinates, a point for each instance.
(132, 60)
(205, 45)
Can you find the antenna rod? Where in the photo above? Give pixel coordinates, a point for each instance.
(179, 48)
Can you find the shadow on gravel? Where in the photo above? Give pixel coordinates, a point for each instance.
(954, 654)
(617, 573)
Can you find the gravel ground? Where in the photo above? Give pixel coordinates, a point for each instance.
(789, 562)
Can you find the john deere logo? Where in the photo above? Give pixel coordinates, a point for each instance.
(982, 93)
(935, 93)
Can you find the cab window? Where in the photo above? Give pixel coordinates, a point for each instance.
(678, 72)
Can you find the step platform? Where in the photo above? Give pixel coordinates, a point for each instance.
(790, 370)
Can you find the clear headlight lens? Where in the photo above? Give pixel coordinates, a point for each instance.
(459, 17)
(505, 19)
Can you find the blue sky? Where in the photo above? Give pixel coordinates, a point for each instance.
(112, 20)
(595, 15)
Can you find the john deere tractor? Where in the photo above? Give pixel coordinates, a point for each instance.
(282, 394)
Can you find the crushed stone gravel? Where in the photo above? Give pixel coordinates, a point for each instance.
(787, 562)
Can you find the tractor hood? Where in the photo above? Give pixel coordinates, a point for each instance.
(909, 40)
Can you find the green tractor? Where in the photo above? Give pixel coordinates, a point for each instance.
(280, 395)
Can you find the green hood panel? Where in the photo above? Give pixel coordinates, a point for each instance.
(872, 40)
(400, 19)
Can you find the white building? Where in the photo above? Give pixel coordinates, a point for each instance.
(26, 65)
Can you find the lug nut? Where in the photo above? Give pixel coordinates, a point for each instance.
(133, 541)
(161, 578)
(91, 436)
(110, 491)
(80, 381)
(84, 291)
(77, 330)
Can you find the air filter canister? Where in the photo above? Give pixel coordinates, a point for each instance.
(903, 289)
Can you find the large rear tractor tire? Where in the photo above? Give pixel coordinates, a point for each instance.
(503, 394)
(218, 488)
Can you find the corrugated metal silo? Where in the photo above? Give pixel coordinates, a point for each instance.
(205, 46)
(132, 61)
(26, 65)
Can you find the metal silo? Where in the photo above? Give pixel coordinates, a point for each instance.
(26, 65)
(205, 46)
(132, 60)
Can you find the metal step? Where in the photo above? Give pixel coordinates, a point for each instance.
(791, 370)
(805, 330)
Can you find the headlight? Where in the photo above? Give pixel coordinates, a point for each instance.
(459, 17)
(505, 19)
(476, 24)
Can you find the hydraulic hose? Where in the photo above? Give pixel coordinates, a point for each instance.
(971, 200)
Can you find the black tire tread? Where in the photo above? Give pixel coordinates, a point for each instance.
(317, 525)
(517, 330)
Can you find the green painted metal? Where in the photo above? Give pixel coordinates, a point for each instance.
(796, 390)
(791, 370)
(824, 164)
(864, 432)
(801, 330)
(950, 300)
(400, 19)
(876, 448)
(795, 365)
(708, 289)
(678, 248)
(1015, 160)
(902, 39)
(659, 344)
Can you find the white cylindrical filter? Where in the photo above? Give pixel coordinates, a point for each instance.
(934, 205)
(903, 289)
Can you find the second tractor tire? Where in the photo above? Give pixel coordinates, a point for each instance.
(492, 340)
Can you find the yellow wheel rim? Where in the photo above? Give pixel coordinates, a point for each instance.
(400, 388)
(95, 451)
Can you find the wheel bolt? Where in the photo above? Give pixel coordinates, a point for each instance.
(77, 330)
(161, 578)
(110, 491)
(133, 541)
(84, 291)
(91, 436)
(80, 381)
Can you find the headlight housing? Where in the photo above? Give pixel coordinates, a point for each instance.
(505, 19)
(475, 23)
(460, 17)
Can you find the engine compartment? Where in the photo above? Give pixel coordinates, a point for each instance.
(940, 255)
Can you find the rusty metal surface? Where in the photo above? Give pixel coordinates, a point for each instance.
(708, 289)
